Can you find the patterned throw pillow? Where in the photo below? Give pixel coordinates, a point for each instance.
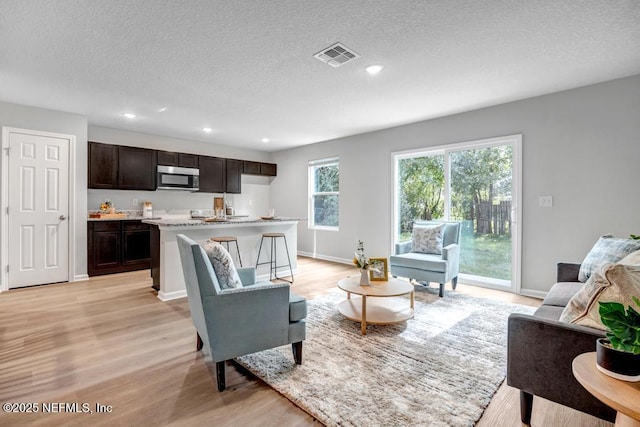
(222, 263)
(606, 250)
(611, 283)
(427, 239)
(631, 259)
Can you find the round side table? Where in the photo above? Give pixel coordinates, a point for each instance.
(623, 396)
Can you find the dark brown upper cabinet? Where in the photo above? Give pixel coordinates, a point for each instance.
(119, 167)
(130, 168)
(136, 168)
(251, 168)
(258, 168)
(234, 176)
(268, 169)
(103, 165)
(183, 160)
(212, 174)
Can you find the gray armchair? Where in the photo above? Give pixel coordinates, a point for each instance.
(234, 322)
(430, 267)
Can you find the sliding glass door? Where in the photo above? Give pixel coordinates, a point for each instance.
(476, 183)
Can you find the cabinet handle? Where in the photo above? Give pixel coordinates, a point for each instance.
(62, 217)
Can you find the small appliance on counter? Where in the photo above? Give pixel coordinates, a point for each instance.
(218, 207)
(200, 213)
(147, 210)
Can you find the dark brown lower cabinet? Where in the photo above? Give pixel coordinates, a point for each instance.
(117, 246)
(155, 257)
(136, 249)
(103, 247)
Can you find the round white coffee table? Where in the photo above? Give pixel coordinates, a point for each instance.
(380, 310)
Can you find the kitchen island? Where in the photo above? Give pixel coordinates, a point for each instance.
(166, 267)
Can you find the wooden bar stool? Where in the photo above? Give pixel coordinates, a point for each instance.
(273, 265)
(227, 240)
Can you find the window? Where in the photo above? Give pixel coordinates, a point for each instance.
(476, 183)
(324, 194)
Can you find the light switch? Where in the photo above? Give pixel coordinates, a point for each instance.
(545, 201)
(135, 203)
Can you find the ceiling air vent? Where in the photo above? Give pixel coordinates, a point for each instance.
(336, 55)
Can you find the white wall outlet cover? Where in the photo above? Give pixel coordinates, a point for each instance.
(545, 201)
(135, 202)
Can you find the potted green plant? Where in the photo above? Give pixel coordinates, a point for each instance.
(618, 355)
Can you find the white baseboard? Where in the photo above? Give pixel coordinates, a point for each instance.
(168, 296)
(80, 277)
(533, 293)
(525, 292)
(325, 258)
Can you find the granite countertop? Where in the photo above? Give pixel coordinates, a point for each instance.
(128, 218)
(188, 222)
(182, 219)
(130, 215)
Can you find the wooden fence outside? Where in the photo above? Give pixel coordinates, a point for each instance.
(493, 218)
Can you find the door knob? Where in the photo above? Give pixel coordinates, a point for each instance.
(62, 217)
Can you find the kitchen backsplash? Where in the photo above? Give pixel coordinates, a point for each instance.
(253, 201)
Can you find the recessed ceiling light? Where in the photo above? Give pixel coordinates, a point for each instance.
(207, 130)
(129, 115)
(162, 110)
(374, 69)
(265, 140)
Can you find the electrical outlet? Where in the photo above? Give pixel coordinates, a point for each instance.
(545, 201)
(135, 203)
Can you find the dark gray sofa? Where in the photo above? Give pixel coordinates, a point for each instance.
(540, 351)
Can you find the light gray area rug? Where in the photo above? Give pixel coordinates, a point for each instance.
(440, 368)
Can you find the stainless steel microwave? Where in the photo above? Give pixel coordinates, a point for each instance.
(175, 178)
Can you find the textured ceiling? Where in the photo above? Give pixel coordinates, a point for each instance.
(245, 68)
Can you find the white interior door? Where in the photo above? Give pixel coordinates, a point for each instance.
(38, 243)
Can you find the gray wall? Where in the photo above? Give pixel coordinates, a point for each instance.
(40, 119)
(581, 146)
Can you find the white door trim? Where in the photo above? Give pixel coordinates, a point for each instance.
(4, 200)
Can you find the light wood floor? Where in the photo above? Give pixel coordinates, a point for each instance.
(110, 341)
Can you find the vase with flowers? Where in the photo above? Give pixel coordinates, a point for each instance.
(363, 263)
